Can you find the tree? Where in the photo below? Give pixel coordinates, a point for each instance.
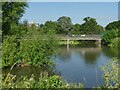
(108, 36)
(89, 19)
(65, 24)
(11, 13)
(90, 26)
(76, 29)
(49, 26)
(111, 34)
(114, 26)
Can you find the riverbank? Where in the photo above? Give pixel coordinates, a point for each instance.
(78, 43)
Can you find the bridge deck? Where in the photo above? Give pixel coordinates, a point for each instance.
(79, 37)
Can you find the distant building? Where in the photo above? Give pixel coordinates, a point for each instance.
(33, 23)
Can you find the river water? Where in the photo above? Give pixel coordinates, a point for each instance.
(78, 65)
(82, 65)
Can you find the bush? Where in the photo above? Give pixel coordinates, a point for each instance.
(10, 49)
(31, 50)
(108, 36)
(44, 82)
(114, 42)
(37, 51)
(111, 75)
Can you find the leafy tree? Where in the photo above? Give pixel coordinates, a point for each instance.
(11, 13)
(19, 30)
(108, 36)
(65, 24)
(76, 29)
(90, 26)
(114, 25)
(49, 26)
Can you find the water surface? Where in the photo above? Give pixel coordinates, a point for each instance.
(83, 64)
(76, 64)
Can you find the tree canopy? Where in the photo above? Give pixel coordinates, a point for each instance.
(11, 13)
(65, 24)
(49, 26)
(90, 26)
(76, 29)
(113, 25)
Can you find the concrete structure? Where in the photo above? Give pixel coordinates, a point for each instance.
(68, 38)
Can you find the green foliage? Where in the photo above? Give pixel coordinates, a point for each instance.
(112, 33)
(34, 50)
(90, 26)
(19, 30)
(11, 13)
(65, 24)
(10, 50)
(109, 35)
(113, 25)
(114, 42)
(76, 29)
(111, 75)
(49, 26)
(45, 82)
(0, 33)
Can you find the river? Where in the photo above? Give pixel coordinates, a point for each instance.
(78, 65)
(82, 65)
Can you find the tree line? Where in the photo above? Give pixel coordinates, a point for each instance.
(12, 12)
(15, 50)
(64, 25)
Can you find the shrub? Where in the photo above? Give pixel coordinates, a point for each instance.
(114, 42)
(108, 36)
(111, 75)
(10, 49)
(45, 82)
(32, 50)
(37, 51)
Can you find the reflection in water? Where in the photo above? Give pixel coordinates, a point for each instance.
(76, 65)
(28, 71)
(110, 52)
(64, 55)
(90, 55)
(82, 64)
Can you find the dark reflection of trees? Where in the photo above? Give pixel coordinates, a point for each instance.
(91, 57)
(110, 52)
(64, 55)
(28, 71)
